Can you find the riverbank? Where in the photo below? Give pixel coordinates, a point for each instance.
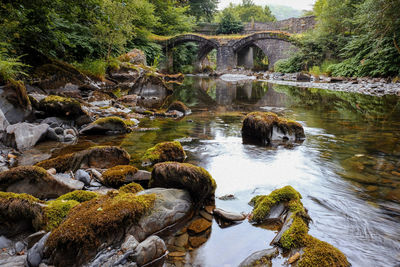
(367, 86)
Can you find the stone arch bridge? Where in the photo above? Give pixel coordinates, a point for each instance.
(233, 51)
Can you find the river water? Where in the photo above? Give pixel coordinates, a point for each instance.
(347, 169)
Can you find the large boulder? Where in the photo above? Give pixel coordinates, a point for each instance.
(293, 235)
(34, 181)
(3, 122)
(102, 157)
(179, 106)
(14, 102)
(61, 106)
(196, 180)
(24, 135)
(135, 56)
(109, 125)
(93, 225)
(265, 127)
(162, 152)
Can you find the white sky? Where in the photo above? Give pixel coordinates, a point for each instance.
(296, 4)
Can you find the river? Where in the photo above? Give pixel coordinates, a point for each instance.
(347, 169)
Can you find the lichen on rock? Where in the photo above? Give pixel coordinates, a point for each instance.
(162, 152)
(265, 127)
(91, 158)
(117, 176)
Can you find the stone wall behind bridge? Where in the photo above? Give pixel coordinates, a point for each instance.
(292, 25)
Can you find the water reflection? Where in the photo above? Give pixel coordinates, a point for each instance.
(348, 168)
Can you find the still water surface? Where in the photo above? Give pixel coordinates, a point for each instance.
(347, 169)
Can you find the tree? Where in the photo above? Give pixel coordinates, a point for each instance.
(230, 23)
(249, 12)
(203, 9)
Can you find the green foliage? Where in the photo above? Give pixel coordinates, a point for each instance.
(203, 9)
(184, 56)
(230, 23)
(96, 67)
(10, 67)
(248, 12)
(290, 65)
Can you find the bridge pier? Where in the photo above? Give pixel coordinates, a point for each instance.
(245, 57)
(226, 58)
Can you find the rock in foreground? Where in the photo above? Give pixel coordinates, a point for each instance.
(196, 180)
(162, 152)
(265, 127)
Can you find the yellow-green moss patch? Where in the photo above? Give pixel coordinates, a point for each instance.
(56, 211)
(263, 204)
(321, 254)
(79, 195)
(113, 119)
(131, 188)
(167, 151)
(116, 176)
(61, 106)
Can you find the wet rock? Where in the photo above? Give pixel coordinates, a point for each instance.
(19, 247)
(34, 238)
(229, 216)
(206, 215)
(67, 180)
(35, 254)
(3, 122)
(61, 106)
(82, 176)
(196, 180)
(149, 250)
(198, 240)
(227, 197)
(13, 261)
(5, 242)
(162, 152)
(34, 181)
(14, 102)
(109, 125)
(265, 127)
(260, 258)
(171, 206)
(129, 100)
(90, 158)
(24, 135)
(294, 258)
(199, 226)
(302, 77)
(182, 240)
(130, 243)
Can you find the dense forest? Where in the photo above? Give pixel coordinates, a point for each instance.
(352, 38)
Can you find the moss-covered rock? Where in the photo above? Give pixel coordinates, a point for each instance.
(107, 125)
(131, 188)
(56, 211)
(179, 106)
(22, 98)
(162, 152)
(265, 127)
(294, 232)
(102, 157)
(79, 195)
(118, 175)
(18, 211)
(32, 180)
(99, 221)
(196, 180)
(61, 106)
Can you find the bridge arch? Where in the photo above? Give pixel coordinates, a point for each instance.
(275, 45)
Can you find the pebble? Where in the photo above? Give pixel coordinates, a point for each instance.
(294, 258)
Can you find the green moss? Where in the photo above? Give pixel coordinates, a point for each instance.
(20, 91)
(263, 204)
(179, 106)
(56, 211)
(34, 173)
(91, 223)
(59, 99)
(61, 106)
(20, 207)
(79, 195)
(116, 176)
(294, 237)
(321, 254)
(113, 119)
(131, 188)
(167, 151)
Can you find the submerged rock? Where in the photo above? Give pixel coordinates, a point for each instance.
(196, 180)
(149, 250)
(293, 236)
(265, 127)
(34, 181)
(102, 157)
(24, 135)
(229, 216)
(179, 106)
(260, 258)
(109, 125)
(167, 151)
